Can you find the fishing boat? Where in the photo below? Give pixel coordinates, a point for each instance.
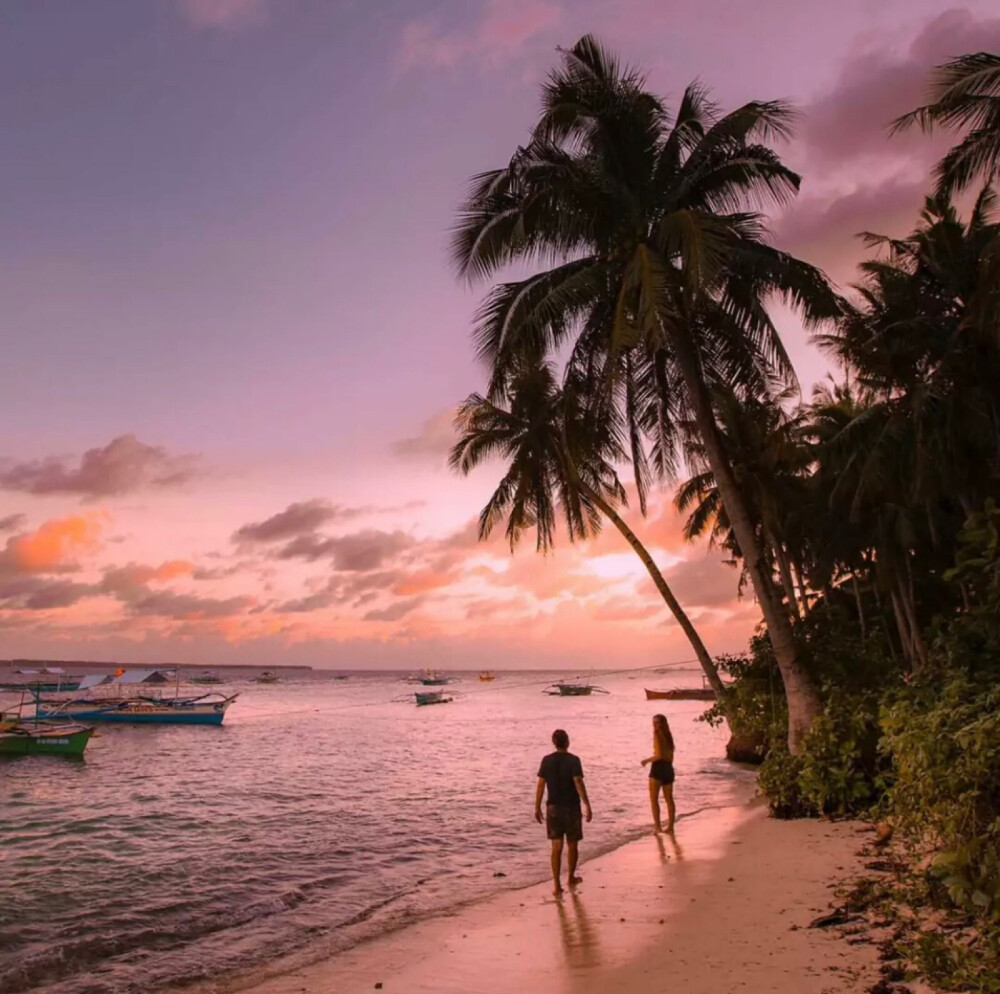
(681, 694)
(266, 677)
(48, 678)
(19, 738)
(487, 675)
(564, 689)
(431, 678)
(207, 709)
(431, 697)
(207, 676)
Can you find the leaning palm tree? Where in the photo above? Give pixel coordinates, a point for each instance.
(560, 457)
(654, 273)
(964, 94)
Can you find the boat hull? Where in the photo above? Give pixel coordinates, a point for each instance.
(143, 712)
(27, 740)
(681, 694)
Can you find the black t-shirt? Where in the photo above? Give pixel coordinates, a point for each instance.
(558, 770)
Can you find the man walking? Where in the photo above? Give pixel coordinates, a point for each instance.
(562, 774)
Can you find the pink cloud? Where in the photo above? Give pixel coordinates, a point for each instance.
(223, 13)
(53, 547)
(502, 29)
(123, 466)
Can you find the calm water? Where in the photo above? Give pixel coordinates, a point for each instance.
(319, 814)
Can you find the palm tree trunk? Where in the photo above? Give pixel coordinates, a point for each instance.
(785, 572)
(804, 704)
(861, 607)
(707, 663)
(803, 596)
(904, 629)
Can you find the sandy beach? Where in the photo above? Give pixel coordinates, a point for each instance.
(723, 906)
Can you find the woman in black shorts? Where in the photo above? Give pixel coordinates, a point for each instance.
(661, 772)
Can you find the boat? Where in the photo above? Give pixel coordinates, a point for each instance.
(431, 697)
(431, 678)
(207, 709)
(564, 689)
(487, 675)
(47, 679)
(681, 694)
(266, 677)
(42, 738)
(207, 676)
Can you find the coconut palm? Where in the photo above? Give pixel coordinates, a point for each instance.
(560, 456)
(653, 270)
(965, 93)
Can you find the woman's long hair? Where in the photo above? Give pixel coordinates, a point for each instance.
(662, 736)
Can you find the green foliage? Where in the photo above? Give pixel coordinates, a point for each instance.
(780, 781)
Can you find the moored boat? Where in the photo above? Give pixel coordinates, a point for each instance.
(58, 738)
(487, 675)
(681, 694)
(564, 689)
(266, 677)
(208, 709)
(207, 676)
(431, 697)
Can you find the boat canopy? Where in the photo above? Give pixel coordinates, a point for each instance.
(128, 677)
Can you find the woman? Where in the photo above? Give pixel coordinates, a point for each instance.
(661, 772)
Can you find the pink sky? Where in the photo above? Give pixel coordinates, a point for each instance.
(234, 341)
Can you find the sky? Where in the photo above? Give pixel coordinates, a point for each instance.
(233, 343)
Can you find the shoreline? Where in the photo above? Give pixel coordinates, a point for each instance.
(724, 905)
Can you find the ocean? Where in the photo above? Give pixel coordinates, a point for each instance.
(323, 812)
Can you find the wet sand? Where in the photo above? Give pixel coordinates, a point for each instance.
(722, 906)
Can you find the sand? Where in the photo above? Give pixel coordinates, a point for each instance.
(724, 906)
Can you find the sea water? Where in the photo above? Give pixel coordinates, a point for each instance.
(322, 812)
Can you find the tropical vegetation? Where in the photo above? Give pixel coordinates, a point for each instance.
(628, 328)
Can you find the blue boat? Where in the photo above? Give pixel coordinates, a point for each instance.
(208, 709)
(431, 697)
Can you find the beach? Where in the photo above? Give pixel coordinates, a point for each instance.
(724, 905)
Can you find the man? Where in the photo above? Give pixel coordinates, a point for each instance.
(562, 774)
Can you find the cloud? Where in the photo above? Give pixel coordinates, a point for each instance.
(123, 466)
(435, 439)
(358, 552)
(825, 230)
(33, 593)
(394, 611)
(12, 522)
(876, 86)
(703, 582)
(52, 547)
(223, 13)
(504, 26)
(126, 580)
(187, 607)
(296, 519)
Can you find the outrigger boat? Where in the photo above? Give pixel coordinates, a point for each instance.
(41, 738)
(207, 676)
(431, 697)
(563, 689)
(487, 675)
(431, 678)
(119, 706)
(266, 677)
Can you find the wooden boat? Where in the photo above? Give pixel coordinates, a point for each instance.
(431, 697)
(487, 675)
(208, 709)
(207, 676)
(563, 689)
(266, 677)
(431, 678)
(41, 738)
(682, 694)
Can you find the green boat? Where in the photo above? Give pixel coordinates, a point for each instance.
(57, 738)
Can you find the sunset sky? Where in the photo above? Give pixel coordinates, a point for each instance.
(233, 342)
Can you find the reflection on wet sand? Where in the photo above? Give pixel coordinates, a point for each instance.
(580, 937)
(675, 847)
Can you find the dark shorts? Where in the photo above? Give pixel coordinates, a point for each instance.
(562, 821)
(662, 771)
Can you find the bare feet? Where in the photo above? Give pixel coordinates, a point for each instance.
(557, 891)
(573, 881)
(669, 830)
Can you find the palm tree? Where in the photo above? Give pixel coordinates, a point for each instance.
(766, 448)
(655, 272)
(559, 457)
(965, 93)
